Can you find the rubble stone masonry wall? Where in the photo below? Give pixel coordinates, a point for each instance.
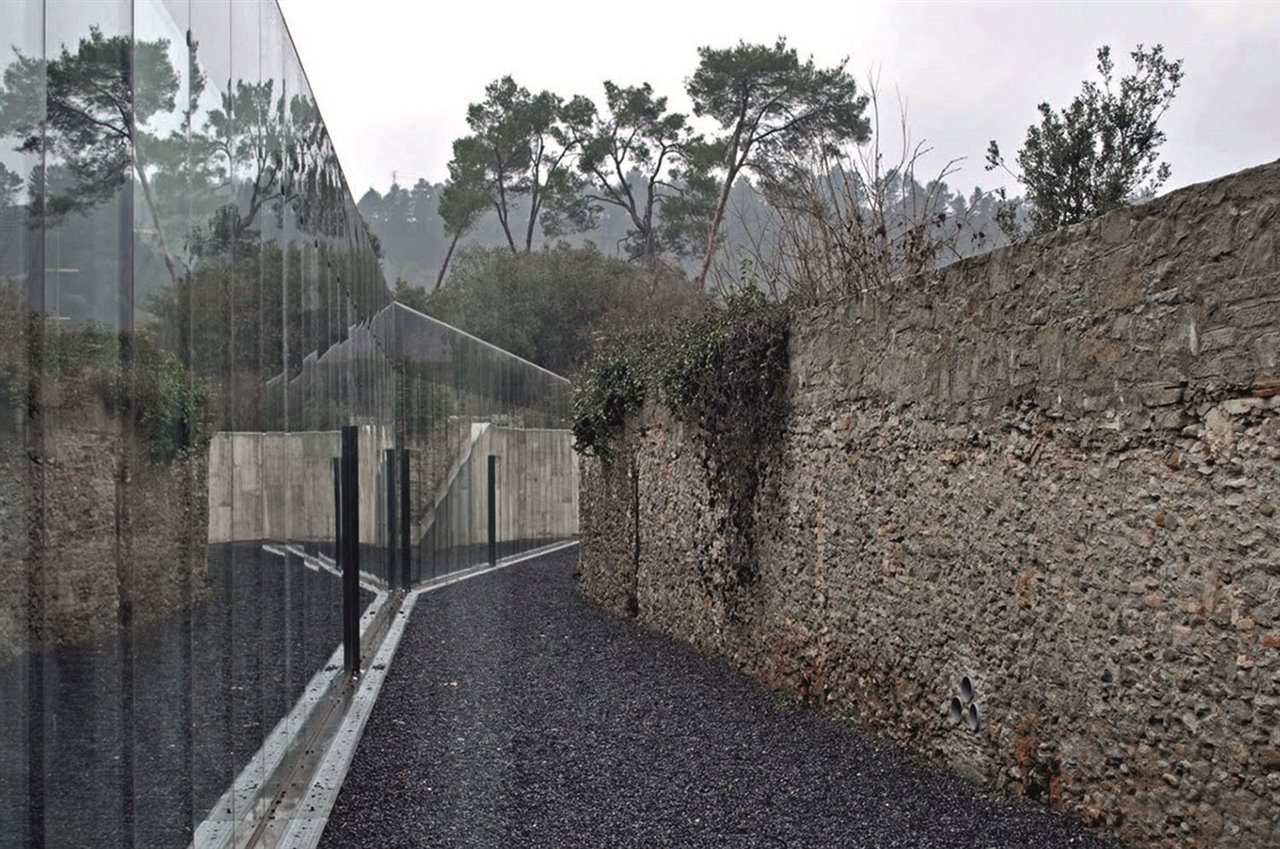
(1053, 471)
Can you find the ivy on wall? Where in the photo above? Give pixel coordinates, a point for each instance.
(725, 374)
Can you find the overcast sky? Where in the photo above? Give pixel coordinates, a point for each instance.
(393, 77)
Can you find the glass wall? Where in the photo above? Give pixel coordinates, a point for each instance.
(192, 309)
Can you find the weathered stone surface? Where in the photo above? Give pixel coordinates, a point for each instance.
(84, 554)
(1052, 470)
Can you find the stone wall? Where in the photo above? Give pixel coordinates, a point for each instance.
(1053, 471)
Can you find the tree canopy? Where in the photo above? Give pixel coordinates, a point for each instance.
(548, 305)
(768, 104)
(1100, 152)
(520, 147)
(630, 157)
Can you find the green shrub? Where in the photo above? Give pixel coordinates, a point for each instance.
(608, 389)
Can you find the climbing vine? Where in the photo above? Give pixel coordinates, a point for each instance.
(609, 388)
(724, 374)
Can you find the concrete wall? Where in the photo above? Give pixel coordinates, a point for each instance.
(279, 486)
(1053, 470)
(537, 488)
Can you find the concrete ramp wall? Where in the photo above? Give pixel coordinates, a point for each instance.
(537, 488)
(279, 486)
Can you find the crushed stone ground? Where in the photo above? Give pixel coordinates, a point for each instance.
(517, 715)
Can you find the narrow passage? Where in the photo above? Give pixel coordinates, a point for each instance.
(517, 715)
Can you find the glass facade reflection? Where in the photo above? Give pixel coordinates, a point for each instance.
(192, 309)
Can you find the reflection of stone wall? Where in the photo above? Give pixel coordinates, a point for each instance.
(14, 557)
(1055, 470)
(436, 456)
(90, 546)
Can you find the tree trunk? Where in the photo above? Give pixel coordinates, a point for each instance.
(701, 279)
(140, 168)
(506, 228)
(444, 265)
(535, 206)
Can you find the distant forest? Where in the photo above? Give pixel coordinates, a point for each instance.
(408, 225)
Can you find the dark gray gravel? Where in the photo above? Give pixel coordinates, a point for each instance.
(429, 562)
(516, 715)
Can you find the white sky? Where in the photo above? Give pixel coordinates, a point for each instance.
(393, 77)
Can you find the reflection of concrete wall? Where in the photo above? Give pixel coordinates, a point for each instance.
(279, 486)
(537, 488)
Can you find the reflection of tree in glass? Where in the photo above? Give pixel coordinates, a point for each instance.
(96, 103)
(10, 185)
(279, 147)
(112, 113)
(87, 117)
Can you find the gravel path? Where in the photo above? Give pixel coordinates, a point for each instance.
(516, 715)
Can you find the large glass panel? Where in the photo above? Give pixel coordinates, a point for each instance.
(215, 689)
(462, 400)
(193, 309)
(89, 597)
(165, 463)
(245, 103)
(21, 273)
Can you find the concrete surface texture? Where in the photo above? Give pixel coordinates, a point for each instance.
(280, 486)
(1038, 486)
(536, 487)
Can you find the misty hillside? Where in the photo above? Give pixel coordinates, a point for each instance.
(407, 222)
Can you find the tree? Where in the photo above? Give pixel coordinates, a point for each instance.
(549, 305)
(768, 103)
(88, 118)
(850, 219)
(461, 206)
(629, 157)
(521, 146)
(1101, 152)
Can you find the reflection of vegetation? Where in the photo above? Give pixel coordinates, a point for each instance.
(242, 257)
(88, 114)
(128, 374)
(422, 402)
(86, 363)
(170, 404)
(107, 113)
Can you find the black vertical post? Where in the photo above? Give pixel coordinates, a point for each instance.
(337, 510)
(493, 509)
(406, 548)
(350, 550)
(393, 526)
